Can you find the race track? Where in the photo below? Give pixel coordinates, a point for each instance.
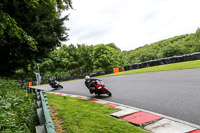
(171, 93)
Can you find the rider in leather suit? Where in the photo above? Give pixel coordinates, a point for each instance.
(89, 83)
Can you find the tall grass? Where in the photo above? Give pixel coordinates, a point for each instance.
(17, 109)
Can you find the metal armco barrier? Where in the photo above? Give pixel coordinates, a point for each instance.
(45, 121)
(48, 121)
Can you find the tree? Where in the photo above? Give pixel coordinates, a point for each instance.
(196, 41)
(56, 64)
(80, 59)
(29, 30)
(112, 45)
(106, 57)
(171, 50)
(14, 57)
(85, 55)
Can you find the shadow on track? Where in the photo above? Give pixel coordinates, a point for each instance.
(53, 89)
(100, 96)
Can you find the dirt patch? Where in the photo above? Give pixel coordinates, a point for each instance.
(57, 123)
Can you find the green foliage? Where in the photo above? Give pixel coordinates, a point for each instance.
(171, 50)
(196, 41)
(10, 36)
(17, 108)
(85, 55)
(178, 45)
(107, 57)
(112, 45)
(80, 59)
(102, 57)
(29, 30)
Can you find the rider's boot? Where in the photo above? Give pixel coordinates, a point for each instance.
(92, 90)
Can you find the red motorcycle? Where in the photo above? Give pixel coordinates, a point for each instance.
(100, 88)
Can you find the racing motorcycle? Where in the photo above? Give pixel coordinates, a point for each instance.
(100, 88)
(55, 84)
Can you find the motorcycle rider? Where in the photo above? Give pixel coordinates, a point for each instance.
(89, 83)
(51, 81)
(54, 83)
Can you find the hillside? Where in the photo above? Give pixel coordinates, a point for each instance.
(178, 45)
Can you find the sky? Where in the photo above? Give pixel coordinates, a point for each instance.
(130, 23)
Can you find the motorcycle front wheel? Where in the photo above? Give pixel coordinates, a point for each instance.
(60, 86)
(108, 92)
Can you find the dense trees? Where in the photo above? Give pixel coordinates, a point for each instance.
(29, 30)
(80, 59)
(106, 57)
(11, 53)
(178, 45)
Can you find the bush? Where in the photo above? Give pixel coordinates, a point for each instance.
(17, 108)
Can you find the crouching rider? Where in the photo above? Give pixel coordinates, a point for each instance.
(89, 84)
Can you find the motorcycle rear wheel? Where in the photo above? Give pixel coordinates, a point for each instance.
(108, 92)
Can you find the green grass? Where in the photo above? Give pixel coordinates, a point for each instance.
(168, 67)
(82, 116)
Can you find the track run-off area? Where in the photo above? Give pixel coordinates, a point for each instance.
(172, 93)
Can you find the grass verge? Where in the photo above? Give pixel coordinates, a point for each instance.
(82, 116)
(168, 67)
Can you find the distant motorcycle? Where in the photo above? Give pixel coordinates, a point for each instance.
(100, 88)
(55, 84)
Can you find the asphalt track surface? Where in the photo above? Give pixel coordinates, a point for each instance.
(171, 93)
